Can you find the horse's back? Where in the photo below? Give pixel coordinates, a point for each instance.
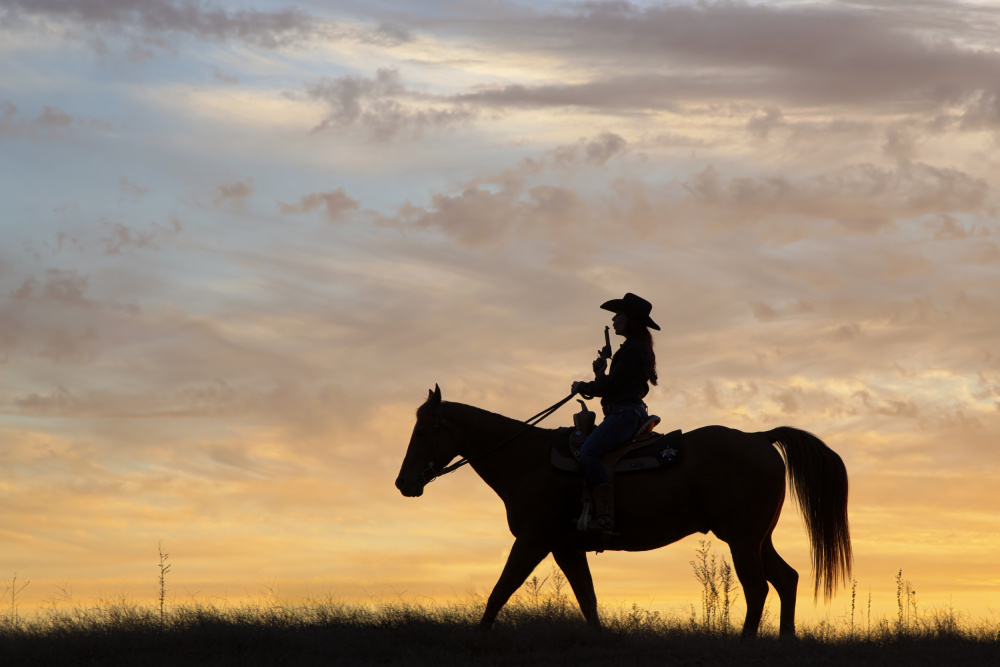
(735, 475)
(721, 446)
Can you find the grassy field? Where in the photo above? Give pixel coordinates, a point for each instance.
(541, 625)
(549, 632)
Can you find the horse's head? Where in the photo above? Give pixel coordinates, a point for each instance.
(431, 448)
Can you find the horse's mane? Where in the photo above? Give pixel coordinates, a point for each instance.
(466, 410)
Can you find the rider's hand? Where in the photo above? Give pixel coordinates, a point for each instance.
(576, 387)
(600, 365)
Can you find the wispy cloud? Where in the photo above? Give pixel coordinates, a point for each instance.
(236, 191)
(794, 54)
(201, 19)
(382, 106)
(336, 203)
(50, 123)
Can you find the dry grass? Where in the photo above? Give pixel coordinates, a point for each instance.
(541, 625)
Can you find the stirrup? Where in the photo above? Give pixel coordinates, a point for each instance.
(646, 428)
(588, 525)
(583, 523)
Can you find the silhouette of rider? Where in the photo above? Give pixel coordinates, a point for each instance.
(621, 389)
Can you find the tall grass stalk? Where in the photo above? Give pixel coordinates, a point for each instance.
(164, 568)
(13, 589)
(869, 615)
(854, 596)
(906, 603)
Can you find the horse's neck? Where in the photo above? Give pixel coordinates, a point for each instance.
(498, 448)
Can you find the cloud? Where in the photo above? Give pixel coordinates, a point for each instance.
(760, 127)
(63, 287)
(948, 228)
(219, 76)
(51, 319)
(345, 94)
(766, 313)
(676, 140)
(314, 410)
(596, 151)
(982, 112)
(382, 106)
(268, 29)
(811, 133)
(478, 216)
(121, 237)
(127, 187)
(900, 143)
(389, 34)
(625, 93)
(474, 217)
(679, 58)
(540, 200)
(238, 191)
(786, 399)
(985, 253)
(862, 197)
(50, 123)
(336, 202)
(847, 332)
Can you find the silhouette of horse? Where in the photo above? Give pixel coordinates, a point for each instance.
(728, 482)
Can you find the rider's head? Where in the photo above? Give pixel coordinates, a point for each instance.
(632, 320)
(636, 311)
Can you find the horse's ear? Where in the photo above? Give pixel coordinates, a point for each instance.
(434, 396)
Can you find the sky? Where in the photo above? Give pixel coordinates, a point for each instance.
(240, 241)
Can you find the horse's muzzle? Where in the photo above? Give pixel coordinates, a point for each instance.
(413, 488)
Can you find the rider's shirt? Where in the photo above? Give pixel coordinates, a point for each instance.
(627, 380)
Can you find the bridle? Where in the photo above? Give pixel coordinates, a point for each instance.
(429, 474)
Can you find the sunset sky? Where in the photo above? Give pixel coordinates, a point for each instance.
(240, 241)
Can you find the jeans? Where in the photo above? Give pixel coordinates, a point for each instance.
(617, 427)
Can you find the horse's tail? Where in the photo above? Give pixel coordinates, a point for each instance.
(819, 483)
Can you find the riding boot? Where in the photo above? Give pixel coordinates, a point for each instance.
(604, 506)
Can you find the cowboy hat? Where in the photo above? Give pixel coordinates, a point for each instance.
(633, 306)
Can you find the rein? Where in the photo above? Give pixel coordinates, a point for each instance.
(429, 474)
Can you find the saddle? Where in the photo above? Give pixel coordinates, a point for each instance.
(646, 449)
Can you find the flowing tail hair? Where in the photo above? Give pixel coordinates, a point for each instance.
(818, 479)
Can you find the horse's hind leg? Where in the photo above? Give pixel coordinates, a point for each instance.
(524, 557)
(785, 581)
(574, 566)
(750, 570)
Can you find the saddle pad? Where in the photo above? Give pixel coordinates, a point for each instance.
(663, 450)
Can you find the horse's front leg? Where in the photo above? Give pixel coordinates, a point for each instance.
(574, 565)
(524, 557)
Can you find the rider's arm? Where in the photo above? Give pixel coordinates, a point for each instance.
(625, 365)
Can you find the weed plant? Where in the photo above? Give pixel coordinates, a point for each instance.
(719, 590)
(540, 625)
